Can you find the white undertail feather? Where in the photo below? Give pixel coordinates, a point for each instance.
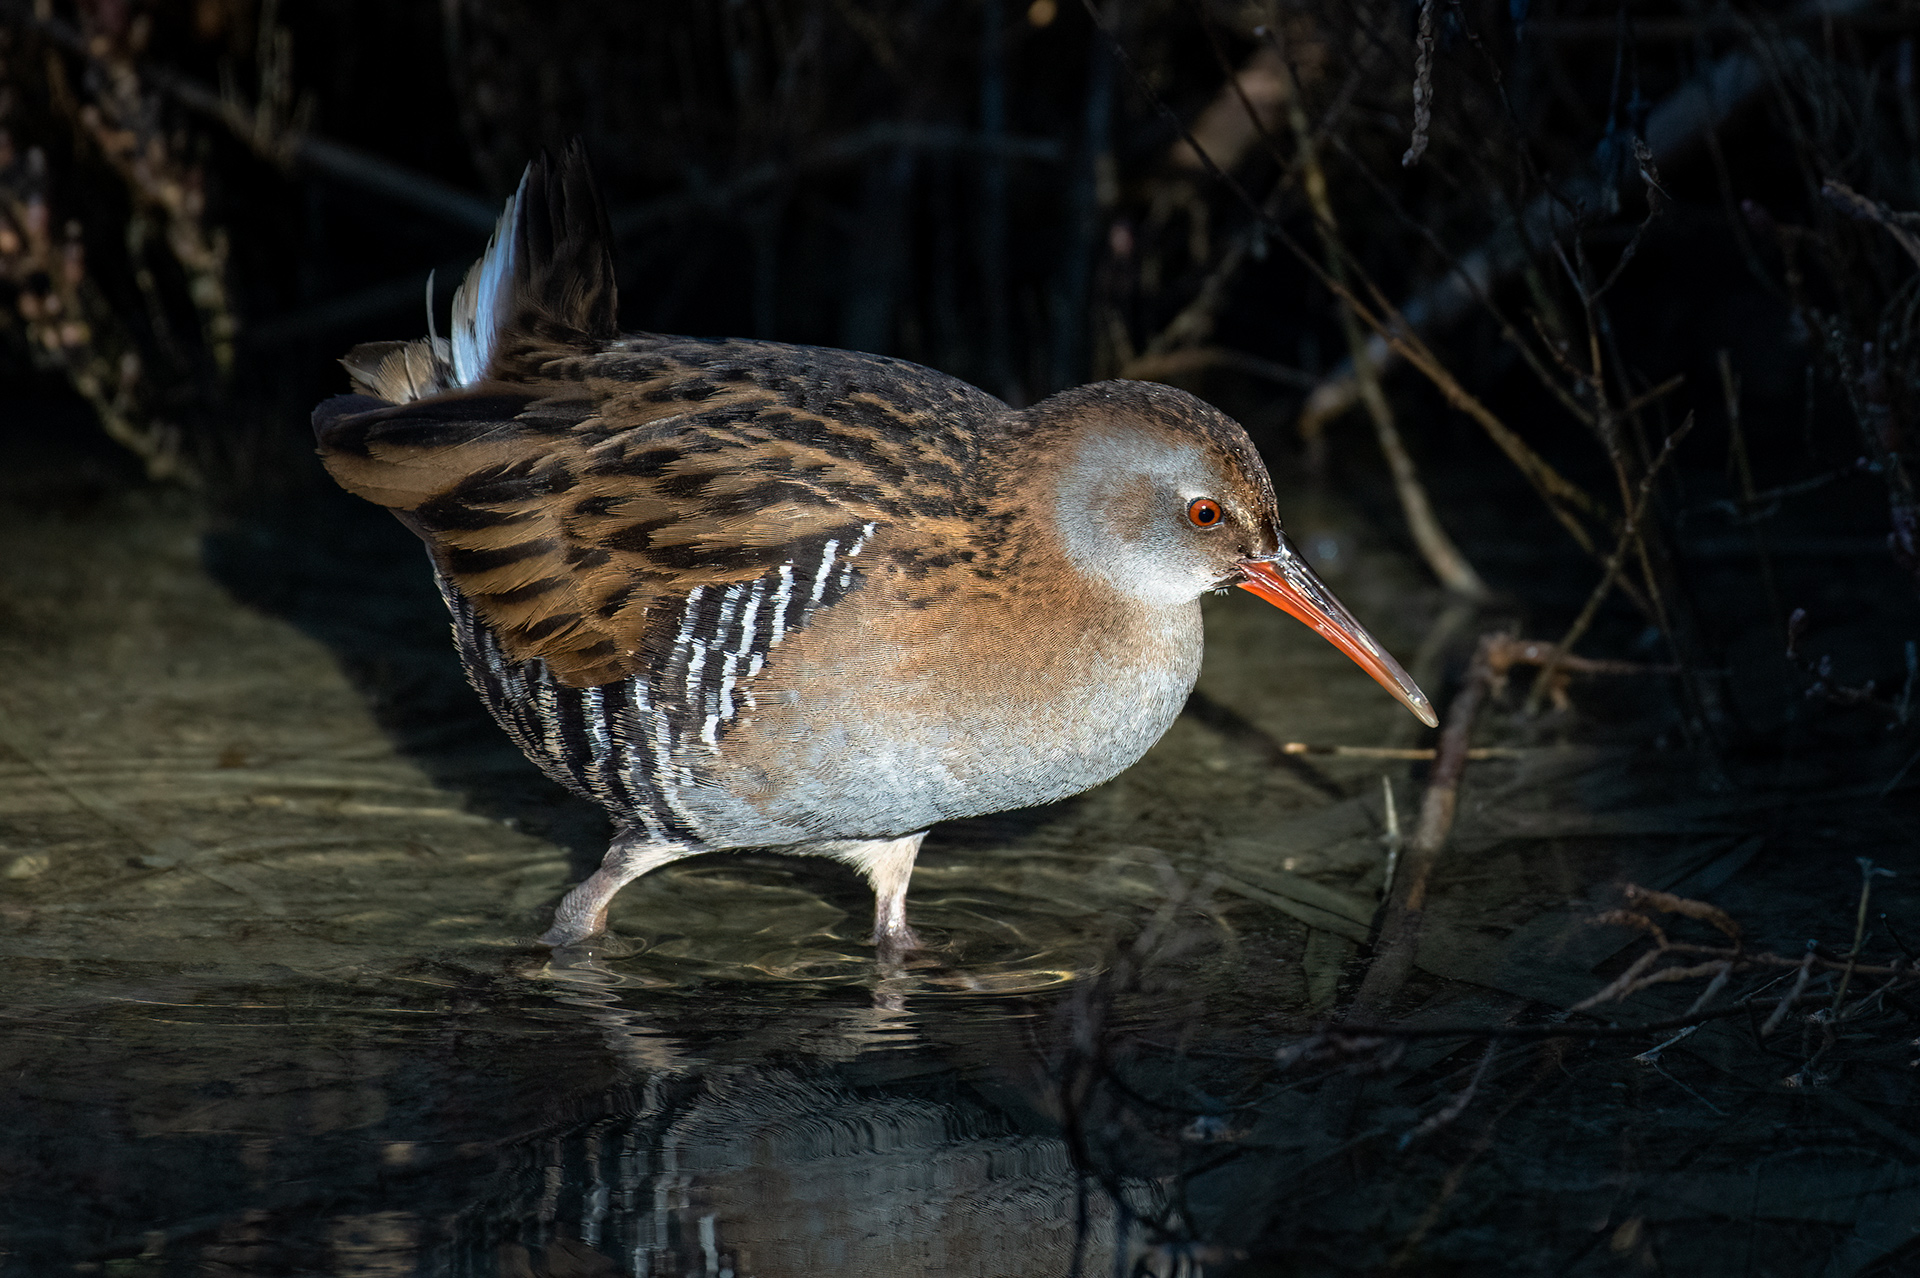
(481, 305)
(433, 329)
(400, 372)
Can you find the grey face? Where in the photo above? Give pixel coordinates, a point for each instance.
(1161, 520)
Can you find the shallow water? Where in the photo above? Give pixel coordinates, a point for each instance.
(274, 1005)
(269, 883)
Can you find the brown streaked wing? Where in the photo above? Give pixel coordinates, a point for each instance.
(575, 522)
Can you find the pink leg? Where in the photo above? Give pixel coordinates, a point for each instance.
(888, 865)
(583, 912)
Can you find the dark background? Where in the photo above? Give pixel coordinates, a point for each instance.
(202, 205)
(230, 195)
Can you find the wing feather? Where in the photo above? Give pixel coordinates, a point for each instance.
(587, 492)
(578, 542)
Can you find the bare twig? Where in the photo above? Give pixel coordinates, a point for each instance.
(1493, 658)
(1652, 1055)
(1629, 533)
(1901, 226)
(1194, 322)
(1770, 960)
(1353, 1037)
(1449, 565)
(1656, 197)
(1668, 903)
(1394, 752)
(1458, 1104)
(1660, 392)
(1563, 497)
(1868, 872)
(1532, 652)
(1422, 86)
(1400, 930)
(1621, 985)
(363, 169)
(1692, 112)
(1559, 493)
(1787, 1004)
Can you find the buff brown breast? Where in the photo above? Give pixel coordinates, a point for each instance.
(752, 595)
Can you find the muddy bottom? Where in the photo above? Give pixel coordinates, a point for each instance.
(269, 883)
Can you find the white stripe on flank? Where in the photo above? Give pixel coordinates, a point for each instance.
(826, 566)
(686, 618)
(723, 703)
(665, 784)
(696, 664)
(749, 617)
(724, 707)
(695, 650)
(846, 574)
(646, 793)
(730, 603)
(596, 717)
(780, 604)
(743, 649)
(546, 713)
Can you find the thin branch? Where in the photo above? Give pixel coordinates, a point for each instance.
(1400, 930)
(1422, 86)
(1452, 568)
(1555, 489)
(1459, 270)
(1357, 1035)
(1629, 534)
(1901, 226)
(1394, 752)
(1458, 1104)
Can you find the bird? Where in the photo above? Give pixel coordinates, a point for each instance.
(752, 595)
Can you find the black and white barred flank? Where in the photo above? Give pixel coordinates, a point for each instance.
(633, 745)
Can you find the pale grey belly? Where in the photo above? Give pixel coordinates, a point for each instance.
(849, 760)
(858, 776)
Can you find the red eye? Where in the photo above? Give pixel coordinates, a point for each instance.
(1203, 512)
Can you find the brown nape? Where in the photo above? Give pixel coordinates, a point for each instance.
(1180, 414)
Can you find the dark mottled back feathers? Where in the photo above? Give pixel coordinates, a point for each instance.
(578, 512)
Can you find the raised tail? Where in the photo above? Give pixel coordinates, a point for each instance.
(544, 284)
(546, 280)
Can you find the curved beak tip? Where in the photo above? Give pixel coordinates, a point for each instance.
(1284, 580)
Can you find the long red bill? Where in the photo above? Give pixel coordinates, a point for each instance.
(1284, 580)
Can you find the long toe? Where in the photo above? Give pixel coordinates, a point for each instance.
(893, 945)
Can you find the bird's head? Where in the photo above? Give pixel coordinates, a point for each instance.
(1163, 497)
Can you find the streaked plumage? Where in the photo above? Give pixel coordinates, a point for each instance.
(745, 594)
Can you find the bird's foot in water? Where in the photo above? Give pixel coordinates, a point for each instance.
(893, 945)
